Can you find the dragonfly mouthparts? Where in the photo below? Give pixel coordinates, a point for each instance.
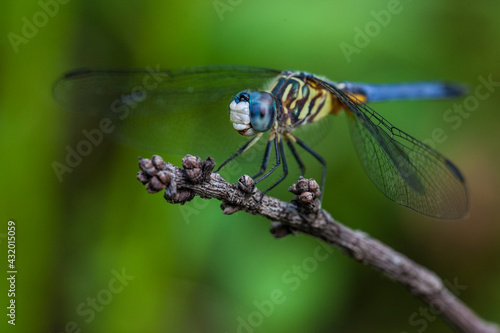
(239, 114)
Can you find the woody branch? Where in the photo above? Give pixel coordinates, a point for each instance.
(303, 214)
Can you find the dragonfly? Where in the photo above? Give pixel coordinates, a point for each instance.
(187, 110)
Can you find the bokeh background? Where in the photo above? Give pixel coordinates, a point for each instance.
(190, 268)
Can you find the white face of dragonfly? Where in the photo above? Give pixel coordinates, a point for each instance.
(239, 113)
(252, 112)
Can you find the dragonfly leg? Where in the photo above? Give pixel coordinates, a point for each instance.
(240, 151)
(278, 160)
(280, 155)
(297, 157)
(266, 159)
(285, 168)
(320, 159)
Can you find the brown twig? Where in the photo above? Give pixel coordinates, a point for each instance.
(303, 214)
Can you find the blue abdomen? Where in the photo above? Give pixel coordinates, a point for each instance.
(399, 91)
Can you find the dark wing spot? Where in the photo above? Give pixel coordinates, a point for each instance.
(453, 168)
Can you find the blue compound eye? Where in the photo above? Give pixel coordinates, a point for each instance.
(262, 110)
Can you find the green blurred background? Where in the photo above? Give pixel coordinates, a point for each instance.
(190, 268)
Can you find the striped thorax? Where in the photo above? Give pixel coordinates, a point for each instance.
(295, 99)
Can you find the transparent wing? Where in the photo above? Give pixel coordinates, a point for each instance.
(403, 168)
(178, 111)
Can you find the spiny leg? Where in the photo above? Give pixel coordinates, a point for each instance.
(278, 161)
(285, 168)
(297, 157)
(320, 159)
(266, 159)
(241, 150)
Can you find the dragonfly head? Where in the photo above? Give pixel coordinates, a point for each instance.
(252, 112)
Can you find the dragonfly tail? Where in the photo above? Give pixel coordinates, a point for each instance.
(408, 91)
